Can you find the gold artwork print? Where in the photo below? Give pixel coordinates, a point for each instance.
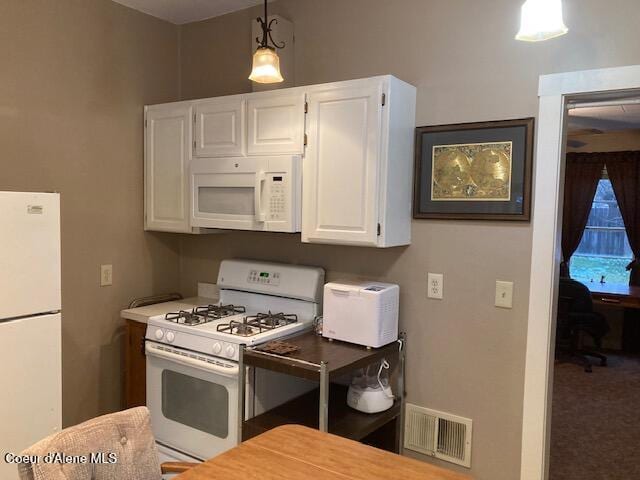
(474, 171)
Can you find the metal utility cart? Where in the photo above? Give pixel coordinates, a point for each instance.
(326, 408)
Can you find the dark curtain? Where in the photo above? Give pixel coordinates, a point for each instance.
(582, 173)
(624, 173)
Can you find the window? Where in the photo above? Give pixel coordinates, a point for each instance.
(604, 249)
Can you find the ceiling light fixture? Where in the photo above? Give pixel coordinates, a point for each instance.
(266, 64)
(541, 20)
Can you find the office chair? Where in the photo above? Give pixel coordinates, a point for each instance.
(575, 317)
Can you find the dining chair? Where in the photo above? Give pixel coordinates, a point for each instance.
(122, 445)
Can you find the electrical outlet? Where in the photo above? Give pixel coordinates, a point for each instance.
(106, 275)
(435, 285)
(504, 294)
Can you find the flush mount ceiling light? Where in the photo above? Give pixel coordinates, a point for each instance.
(541, 20)
(266, 64)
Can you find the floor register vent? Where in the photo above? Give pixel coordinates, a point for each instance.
(437, 434)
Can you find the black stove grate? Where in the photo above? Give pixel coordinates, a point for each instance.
(254, 324)
(205, 314)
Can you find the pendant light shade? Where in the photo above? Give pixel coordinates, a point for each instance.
(266, 63)
(266, 66)
(541, 20)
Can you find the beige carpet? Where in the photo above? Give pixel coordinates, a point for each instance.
(595, 432)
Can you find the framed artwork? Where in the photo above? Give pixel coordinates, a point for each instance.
(474, 171)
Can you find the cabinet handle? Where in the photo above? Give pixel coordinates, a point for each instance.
(142, 347)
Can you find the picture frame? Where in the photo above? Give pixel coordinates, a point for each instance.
(474, 171)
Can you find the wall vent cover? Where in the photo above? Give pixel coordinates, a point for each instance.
(438, 434)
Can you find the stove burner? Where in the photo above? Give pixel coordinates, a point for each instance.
(200, 315)
(243, 329)
(254, 324)
(271, 320)
(235, 327)
(183, 316)
(216, 312)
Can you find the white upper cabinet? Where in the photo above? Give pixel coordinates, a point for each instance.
(357, 174)
(220, 127)
(276, 123)
(356, 139)
(342, 165)
(167, 157)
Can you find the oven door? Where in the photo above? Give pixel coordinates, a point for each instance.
(258, 193)
(193, 400)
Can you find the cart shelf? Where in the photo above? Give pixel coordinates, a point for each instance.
(326, 408)
(343, 420)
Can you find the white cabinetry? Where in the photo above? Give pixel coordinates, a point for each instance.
(357, 164)
(167, 157)
(220, 127)
(357, 175)
(276, 123)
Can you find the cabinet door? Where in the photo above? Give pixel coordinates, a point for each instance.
(276, 124)
(135, 386)
(167, 157)
(340, 173)
(220, 127)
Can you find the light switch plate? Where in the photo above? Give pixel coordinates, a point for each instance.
(106, 275)
(435, 285)
(504, 294)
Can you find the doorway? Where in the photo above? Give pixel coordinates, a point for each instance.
(595, 428)
(556, 92)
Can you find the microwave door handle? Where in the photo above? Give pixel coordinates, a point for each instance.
(260, 179)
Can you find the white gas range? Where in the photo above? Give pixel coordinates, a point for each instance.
(192, 356)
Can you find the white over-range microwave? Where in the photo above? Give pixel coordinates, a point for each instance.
(254, 193)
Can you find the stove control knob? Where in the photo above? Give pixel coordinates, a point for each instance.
(230, 351)
(217, 348)
(171, 337)
(159, 334)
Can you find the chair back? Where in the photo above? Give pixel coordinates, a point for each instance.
(577, 294)
(124, 438)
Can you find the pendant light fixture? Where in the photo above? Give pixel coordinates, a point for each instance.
(266, 64)
(541, 20)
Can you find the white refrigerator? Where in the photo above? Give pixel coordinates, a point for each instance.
(30, 331)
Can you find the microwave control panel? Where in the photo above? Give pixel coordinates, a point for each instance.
(264, 277)
(277, 198)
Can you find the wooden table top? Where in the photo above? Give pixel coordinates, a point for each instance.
(293, 452)
(615, 295)
(613, 289)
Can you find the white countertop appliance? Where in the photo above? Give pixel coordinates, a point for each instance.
(362, 312)
(192, 356)
(370, 391)
(30, 345)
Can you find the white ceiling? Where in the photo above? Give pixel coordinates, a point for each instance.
(185, 11)
(606, 118)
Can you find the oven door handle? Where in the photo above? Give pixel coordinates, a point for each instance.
(226, 370)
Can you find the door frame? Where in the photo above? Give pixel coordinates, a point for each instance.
(554, 91)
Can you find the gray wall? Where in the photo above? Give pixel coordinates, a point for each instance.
(464, 355)
(75, 76)
(77, 73)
